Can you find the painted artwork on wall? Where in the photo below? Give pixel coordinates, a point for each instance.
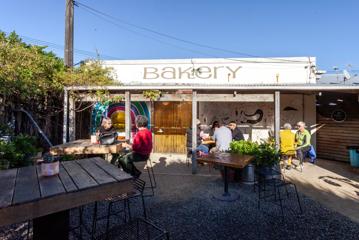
(116, 112)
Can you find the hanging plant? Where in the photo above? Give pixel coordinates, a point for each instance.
(152, 95)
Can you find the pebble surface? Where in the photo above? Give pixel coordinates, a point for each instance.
(185, 207)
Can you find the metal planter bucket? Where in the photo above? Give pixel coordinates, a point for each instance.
(247, 174)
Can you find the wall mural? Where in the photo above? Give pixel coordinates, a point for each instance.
(116, 112)
(254, 118)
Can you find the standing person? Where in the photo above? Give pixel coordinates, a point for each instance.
(140, 149)
(237, 134)
(287, 141)
(302, 140)
(223, 138)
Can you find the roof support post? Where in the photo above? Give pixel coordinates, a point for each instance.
(65, 123)
(128, 115)
(72, 118)
(194, 132)
(277, 117)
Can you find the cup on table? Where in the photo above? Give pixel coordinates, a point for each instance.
(93, 139)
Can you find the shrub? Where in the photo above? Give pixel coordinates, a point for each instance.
(19, 151)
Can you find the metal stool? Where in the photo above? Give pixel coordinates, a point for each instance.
(272, 181)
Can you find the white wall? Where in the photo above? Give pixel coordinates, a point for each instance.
(298, 107)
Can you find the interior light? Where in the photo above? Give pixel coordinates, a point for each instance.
(332, 104)
(340, 100)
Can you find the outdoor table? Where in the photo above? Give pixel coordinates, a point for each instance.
(227, 160)
(84, 146)
(26, 195)
(208, 142)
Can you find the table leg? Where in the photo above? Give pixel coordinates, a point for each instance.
(226, 196)
(54, 226)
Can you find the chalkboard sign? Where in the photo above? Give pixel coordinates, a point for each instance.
(339, 115)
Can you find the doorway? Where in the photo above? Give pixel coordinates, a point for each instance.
(171, 119)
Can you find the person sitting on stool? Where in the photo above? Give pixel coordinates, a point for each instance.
(140, 150)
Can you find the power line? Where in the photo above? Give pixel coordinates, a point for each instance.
(119, 25)
(61, 47)
(145, 35)
(77, 3)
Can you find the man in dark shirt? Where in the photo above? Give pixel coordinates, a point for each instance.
(236, 132)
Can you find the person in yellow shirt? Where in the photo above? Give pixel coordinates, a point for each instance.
(287, 144)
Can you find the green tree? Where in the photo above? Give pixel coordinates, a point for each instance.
(34, 79)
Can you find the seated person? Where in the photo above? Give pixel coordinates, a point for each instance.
(223, 138)
(237, 134)
(213, 128)
(200, 147)
(287, 141)
(302, 140)
(107, 133)
(140, 149)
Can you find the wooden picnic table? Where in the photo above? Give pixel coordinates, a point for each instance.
(84, 146)
(227, 160)
(26, 195)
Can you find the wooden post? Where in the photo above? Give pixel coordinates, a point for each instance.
(128, 115)
(69, 34)
(65, 123)
(277, 117)
(194, 132)
(72, 119)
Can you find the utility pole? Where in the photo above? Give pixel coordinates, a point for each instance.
(69, 33)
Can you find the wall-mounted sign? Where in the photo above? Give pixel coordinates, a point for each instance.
(213, 71)
(339, 115)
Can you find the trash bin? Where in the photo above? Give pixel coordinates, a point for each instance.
(354, 155)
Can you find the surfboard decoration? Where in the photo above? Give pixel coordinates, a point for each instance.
(116, 112)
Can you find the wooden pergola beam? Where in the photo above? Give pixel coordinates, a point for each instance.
(172, 97)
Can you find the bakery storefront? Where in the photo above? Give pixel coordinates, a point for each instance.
(260, 94)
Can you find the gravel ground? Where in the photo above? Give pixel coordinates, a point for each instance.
(185, 207)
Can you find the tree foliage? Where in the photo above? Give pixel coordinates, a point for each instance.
(34, 79)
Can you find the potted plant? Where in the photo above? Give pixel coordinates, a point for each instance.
(267, 157)
(246, 148)
(50, 165)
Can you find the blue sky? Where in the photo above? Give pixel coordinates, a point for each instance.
(326, 29)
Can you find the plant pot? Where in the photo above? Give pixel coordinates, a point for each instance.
(267, 172)
(50, 169)
(247, 174)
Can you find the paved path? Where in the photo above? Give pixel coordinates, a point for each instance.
(333, 184)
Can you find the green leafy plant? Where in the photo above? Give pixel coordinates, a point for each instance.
(265, 153)
(244, 147)
(48, 158)
(152, 94)
(19, 151)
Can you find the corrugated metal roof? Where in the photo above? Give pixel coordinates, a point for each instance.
(338, 79)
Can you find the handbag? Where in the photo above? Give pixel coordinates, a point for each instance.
(108, 138)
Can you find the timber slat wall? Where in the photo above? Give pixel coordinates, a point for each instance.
(173, 118)
(333, 138)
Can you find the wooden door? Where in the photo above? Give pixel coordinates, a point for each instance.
(171, 119)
